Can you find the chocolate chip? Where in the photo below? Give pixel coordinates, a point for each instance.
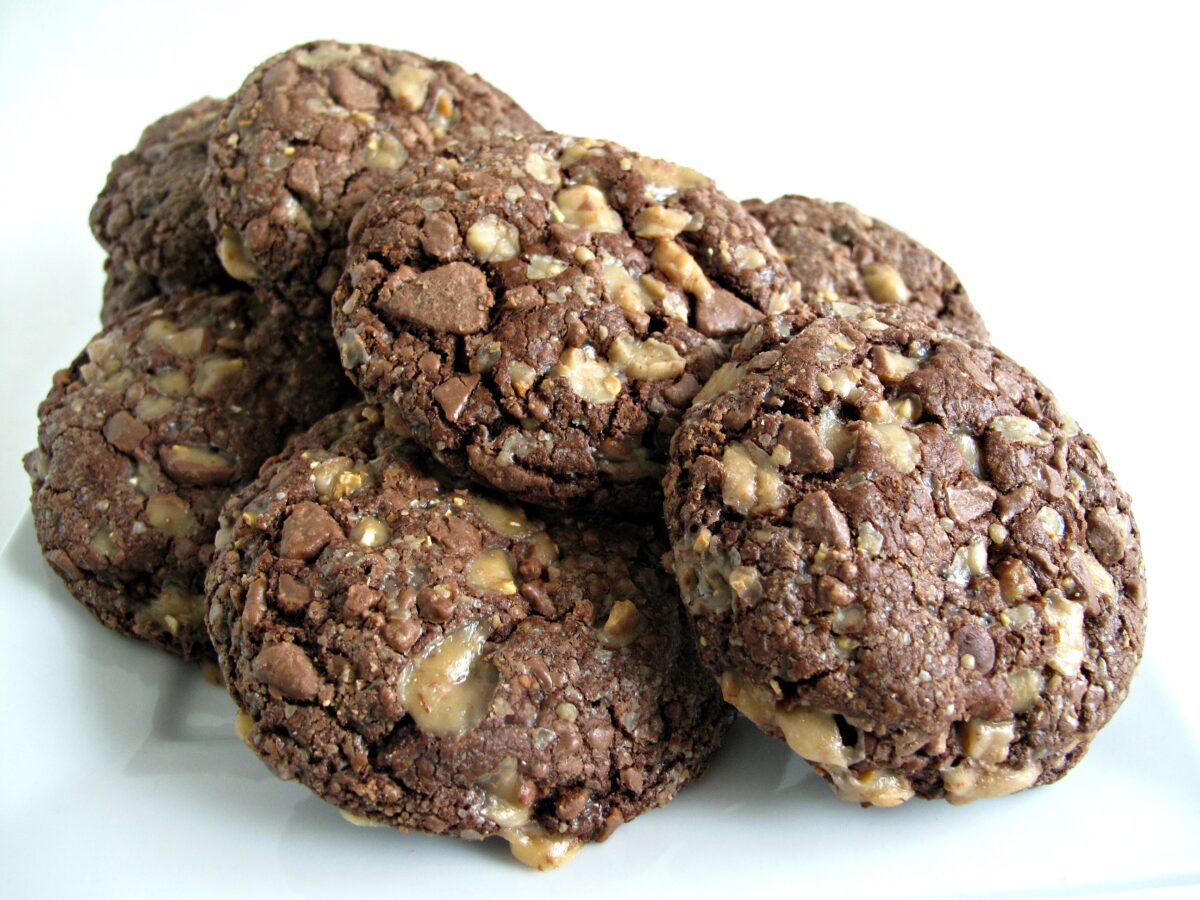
(196, 465)
(809, 453)
(125, 432)
(351, 91)
(292, 595)
(429, 364)
(535, 593)
(577, 333)
(820, 521)
(453, 298)
(359, 601)
(832, 592)
(452, 395)
(401, 634)
(306, 532)
(302, 178)
(680, 393)
(439, 236)
(721, 314)
(572, 803)
(434, 605)
(256, 604)
(287, 669)
(457, 535)
(965, 504)
(1105, 538)
(281, 76)
(975, 640)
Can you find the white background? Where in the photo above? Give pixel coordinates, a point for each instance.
(1049, 152)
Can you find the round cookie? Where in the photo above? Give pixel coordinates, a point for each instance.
(314, 132)
(423, 655)
(543, 312)
(150, 216)
(841, 254)
(143, 437)
(901, 556)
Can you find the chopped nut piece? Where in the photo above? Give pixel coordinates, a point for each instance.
(1065, 617)
(892, 368)
(542, 266)
(1027, 685)
(668, 176)
(542, 168)
(585, 206)
(235, 258)
(750, 483)
(884, 284)
(679, 266)
(726, 378)
(648, 360)
(1020, 430)
(660, 222)
(901, 447)
(1052, 523)
(588, 377)
(965, 783)
(410, 85)
(623, 626)
(986, 741)
(494, 240)
(384, 153)
(215, 376)
(171, 515)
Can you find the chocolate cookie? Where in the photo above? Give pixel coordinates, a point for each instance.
(841, 255)
(314, 132)
(543, 312)
(423, 655)
(142, 439)
(150, 216)
(904, 558)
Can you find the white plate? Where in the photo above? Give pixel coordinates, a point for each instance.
(122, 776)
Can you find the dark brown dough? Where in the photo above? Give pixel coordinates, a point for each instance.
(842, 255)
(314, 132)
(150, 216)
(904, 558)
(422, 654)
(542, 312)
(142, 439)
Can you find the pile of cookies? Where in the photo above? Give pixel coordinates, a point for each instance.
(489, 464)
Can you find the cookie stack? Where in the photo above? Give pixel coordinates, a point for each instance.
(612, 449)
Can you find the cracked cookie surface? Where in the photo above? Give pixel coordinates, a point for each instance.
(902, 557)
(543, 311)
(424, 655)
(150, 216)
(314, 132)
(141, 440)
(841, 254)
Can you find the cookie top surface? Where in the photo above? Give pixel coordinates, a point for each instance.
(141, 440)
(426, 656)
(314, 132)
(841, 254)
(543, 312)
(901, 555)
(150, 216)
